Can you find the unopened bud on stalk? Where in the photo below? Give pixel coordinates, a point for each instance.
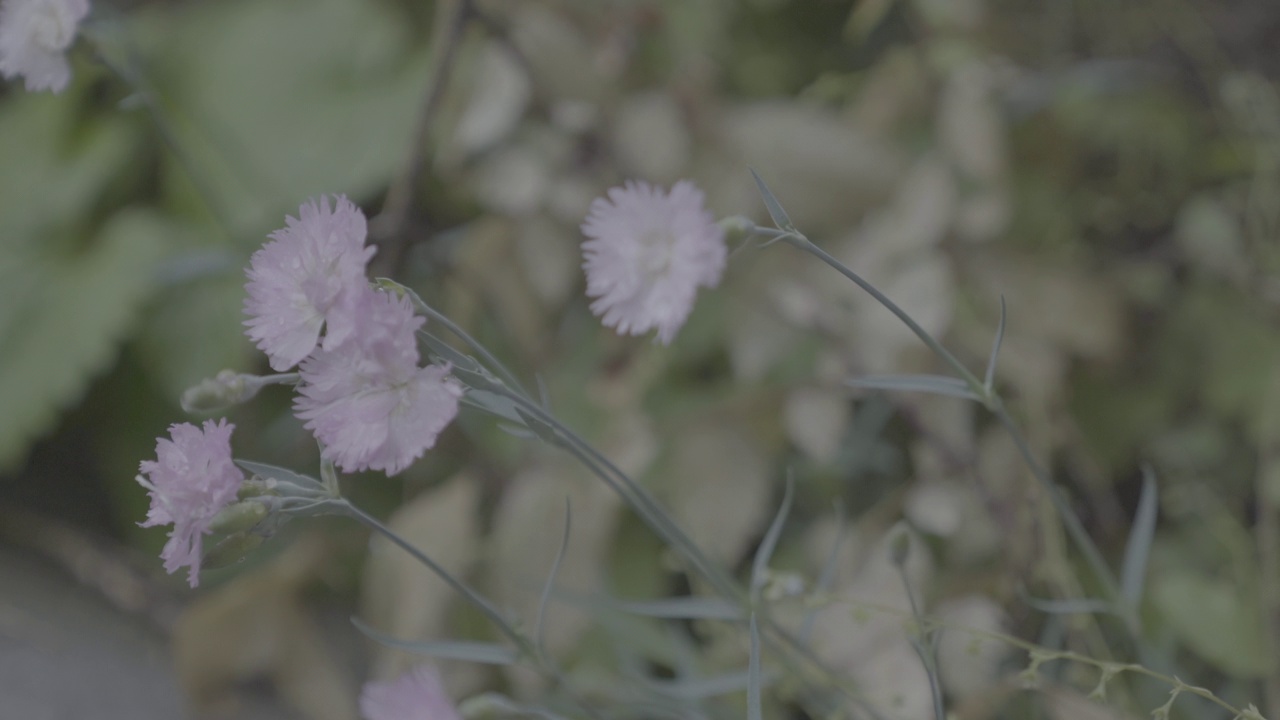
(225, 389)
(736, 228)
(238, 517)
(900, 546)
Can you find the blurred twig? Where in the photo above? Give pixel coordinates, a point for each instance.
(389, 227)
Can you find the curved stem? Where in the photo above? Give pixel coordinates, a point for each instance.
(459, 586)
(421, 306)
(644, 503)
(994, 403)
(1075, 529)
(969, 378)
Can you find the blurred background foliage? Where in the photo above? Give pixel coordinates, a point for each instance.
(1111, 170)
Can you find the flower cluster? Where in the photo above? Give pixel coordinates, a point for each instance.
(648, 253)
(34, 37)
(192, 479)
(416, 695)
(362, 393)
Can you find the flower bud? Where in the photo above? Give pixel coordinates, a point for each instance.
(239, 517)
(900, 546)
(231, 550)
(736, 228)
(225, 389)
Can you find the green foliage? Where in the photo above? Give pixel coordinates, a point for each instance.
(67, 324)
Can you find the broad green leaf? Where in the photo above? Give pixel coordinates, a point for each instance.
(282, 101)
(66, 326)
(1215, 618)
(195, 330)
(54, 170)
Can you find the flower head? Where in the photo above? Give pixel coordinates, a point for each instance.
(191, 480)
(648, 254)
(367, 400)
(34, 37)
(416, 695)
(310, 275)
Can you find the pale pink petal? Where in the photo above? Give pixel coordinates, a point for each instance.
(34, 37)
(310, 276)
(416, 695)
(367, 401)
(191, 480)
(647, 254)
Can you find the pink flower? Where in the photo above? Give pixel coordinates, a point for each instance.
(34, 37)
(415, 695)
(367, 400)
(192, 479)
(310, 275)
(648, 254)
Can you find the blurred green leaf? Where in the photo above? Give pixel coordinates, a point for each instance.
(477, 652)
(281, 102)
(64, 327)
(1218, 620)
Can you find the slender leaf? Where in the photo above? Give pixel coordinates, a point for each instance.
(495, 404)
(1070, 606)
(551, 579)
(544, 431)
(828, 574)
(480, 705)
(281, 475)
(477, 652)
(754, 711)
(448, 353)
(774, 207)
(936, 384)
(1133, 571)
(760, 565)
(692, 689)
(990, 376)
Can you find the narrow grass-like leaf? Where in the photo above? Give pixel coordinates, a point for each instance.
(683, 608)
(517, 431)
(828, 574)
(484, 704)
(446, 352)
(779, 216)
(760, 565)
(1133, 571)
(1071, 606)
(754, 710)
(493, 403)
(544, 431)
(693, 689)
(550, 585)
(936, 384)
(990, 376)
(477, 652)
(280, 475)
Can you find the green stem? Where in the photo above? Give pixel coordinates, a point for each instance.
(640, 499)
(993, 402)
(1075, 529)
(970, 379)
(421, 306)
(475, 598)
